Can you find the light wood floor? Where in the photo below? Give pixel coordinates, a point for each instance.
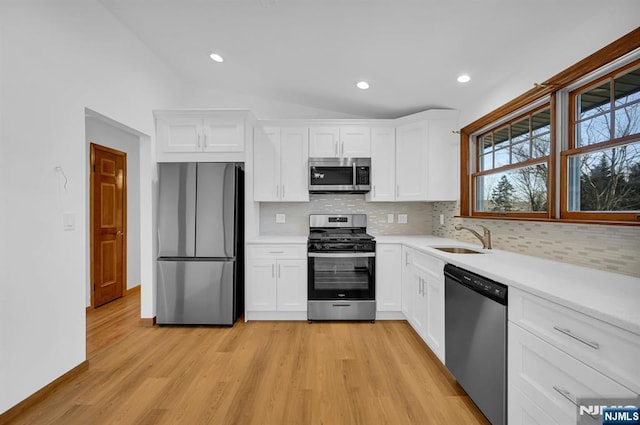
(254, 373)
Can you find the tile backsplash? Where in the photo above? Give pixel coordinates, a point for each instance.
(297, 215)
(611, 248)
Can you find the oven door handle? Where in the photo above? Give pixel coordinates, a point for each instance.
(342, 254)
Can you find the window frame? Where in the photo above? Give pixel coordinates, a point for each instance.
(477, 172)
(572, 149)
(616, 56)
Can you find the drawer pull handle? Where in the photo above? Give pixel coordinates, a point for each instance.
(341, 305)
(566, 394)
(276, 252)
(568, 333)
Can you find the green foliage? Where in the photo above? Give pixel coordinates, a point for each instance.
(503, 196)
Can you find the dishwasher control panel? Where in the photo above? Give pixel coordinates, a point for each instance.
(483, 285)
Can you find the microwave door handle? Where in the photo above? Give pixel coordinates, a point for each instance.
(355, 182)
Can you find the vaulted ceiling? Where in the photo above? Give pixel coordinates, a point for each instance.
(312, 52)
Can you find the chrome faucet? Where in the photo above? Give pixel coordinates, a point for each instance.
(485, 238)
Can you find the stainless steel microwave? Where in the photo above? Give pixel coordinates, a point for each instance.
(347, 175)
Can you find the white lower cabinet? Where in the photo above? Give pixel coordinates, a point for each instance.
(525, 412)
(555, 359)
(423, 297)
(388, 277)
(276, 282)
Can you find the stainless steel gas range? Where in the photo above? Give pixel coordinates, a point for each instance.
(342, 262)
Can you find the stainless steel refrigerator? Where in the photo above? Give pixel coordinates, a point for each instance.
(200, 243)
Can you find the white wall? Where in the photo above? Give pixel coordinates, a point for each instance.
(105, 134)
(197, 97)
(56, 59)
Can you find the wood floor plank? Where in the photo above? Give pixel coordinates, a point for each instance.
(254, 373)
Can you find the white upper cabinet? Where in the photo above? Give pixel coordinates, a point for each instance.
(197, 135)
(383, 164)
(266, 164)
(411, 162)
(223, 133)
(443, 159)
(340, 142)
(426, 159)
(280, 164)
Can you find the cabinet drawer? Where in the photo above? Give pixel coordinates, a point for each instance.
(277, 251)
(552, 379)
(609, 349)
(522, 411)
(433, 265)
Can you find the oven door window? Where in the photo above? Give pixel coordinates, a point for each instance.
(331, 176)
(342, 277)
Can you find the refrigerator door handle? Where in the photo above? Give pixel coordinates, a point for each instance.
(273, 270)
(279, 266)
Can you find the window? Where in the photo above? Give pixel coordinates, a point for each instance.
(513, 167)
(603, 159)
(512, 163)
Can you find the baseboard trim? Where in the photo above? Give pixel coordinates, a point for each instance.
(148, 322)
(43, 392)
(132, 290)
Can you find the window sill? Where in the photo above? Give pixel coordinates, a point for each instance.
(553, 220)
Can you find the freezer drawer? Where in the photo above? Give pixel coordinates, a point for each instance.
(196, 292)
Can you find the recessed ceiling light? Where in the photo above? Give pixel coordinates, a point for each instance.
(464, 78)
(216, 57)
(362, 85)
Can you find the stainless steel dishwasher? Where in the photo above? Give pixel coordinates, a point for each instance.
(476, 339)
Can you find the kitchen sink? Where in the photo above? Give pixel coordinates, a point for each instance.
(457, 250)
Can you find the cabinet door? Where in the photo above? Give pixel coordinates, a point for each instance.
(223, 133)
(444, 164)
(419, 313)
(323, 142)
(292, 285)
(266, 164)
(355, 142)
(411, 162)
(434, 326)
(389, 277)
(180, 134)
(294, 160)
(261, 285)
(407, 292)
(383, 165)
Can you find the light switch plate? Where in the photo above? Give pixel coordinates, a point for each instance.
(402, 219)
(441, 218)
(281, 218)
(389, 218)
(69, 221)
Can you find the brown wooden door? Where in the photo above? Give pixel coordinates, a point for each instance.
(108, 224)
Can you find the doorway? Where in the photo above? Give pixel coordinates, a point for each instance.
(108, 224)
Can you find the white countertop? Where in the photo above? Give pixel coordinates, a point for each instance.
(611, 297)
(278, 240)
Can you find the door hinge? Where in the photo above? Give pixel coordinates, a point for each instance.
(94, 287)
(94, 167)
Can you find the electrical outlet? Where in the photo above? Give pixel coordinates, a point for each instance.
(441, 218)
(402, 219)
(281, 218)
(389, 218)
